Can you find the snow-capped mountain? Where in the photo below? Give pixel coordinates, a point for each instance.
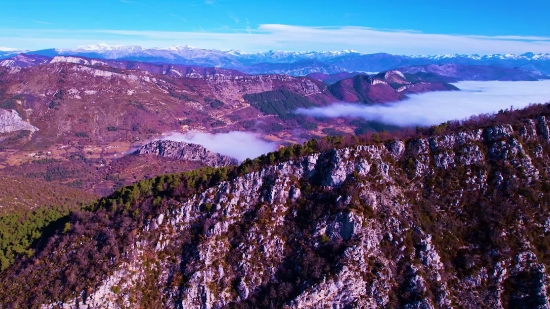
(272, 56)
(6, 52)
(291, 62)
(525, 56)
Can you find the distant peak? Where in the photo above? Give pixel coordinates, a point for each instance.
(107, 47)
(178, 47)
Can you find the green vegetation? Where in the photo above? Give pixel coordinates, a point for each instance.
(282, 103)
(332, 132)
(216, 104)
(20, 231)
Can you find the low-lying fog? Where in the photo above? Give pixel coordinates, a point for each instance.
(239, 145)
(421, 109)
(437, 107)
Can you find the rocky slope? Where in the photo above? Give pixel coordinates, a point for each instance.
(458, 220)
(185, 151)
(10, 121)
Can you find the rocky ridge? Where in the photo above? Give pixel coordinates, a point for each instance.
(369, 226)
(185, 151)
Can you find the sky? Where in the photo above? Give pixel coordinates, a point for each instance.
(397, 26)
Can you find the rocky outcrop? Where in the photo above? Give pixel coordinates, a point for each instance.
(185, 151)
(10, 121)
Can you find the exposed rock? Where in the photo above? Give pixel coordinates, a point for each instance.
(10, 121)
(185, 151)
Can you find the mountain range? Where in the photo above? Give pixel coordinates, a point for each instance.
(292, 63)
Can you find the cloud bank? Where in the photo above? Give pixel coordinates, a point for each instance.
(437, 107)
(283, 37)
(239, 145)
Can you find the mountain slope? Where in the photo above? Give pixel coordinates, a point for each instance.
(107, 104)
(88, 101)
(385, 87)
(455, 220)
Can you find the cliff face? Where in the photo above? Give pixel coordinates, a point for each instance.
(186, 151)
(454, 221)
(10, 121)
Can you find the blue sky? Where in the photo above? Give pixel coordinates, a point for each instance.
(403, 27)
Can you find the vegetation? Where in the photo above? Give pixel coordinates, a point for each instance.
(11, 103)
(282, 103)
(21, 231)
(216, 104)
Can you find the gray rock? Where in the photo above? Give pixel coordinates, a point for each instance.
(185, 151)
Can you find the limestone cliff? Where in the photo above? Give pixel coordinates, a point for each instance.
(185, 151)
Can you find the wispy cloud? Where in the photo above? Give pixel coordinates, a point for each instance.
(288, 37)
(43, 22)
(179, 17)
(234, 17)
(474, 98)
(206, 2)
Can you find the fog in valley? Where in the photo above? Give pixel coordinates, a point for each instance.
(437, 107)
(239, 145)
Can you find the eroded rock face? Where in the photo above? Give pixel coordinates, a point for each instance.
(350, 228)
(10, 121)
(185, 151)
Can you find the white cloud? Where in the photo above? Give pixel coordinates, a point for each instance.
(7, 49)
(437, 107)
(239, 145)
(286, 37)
